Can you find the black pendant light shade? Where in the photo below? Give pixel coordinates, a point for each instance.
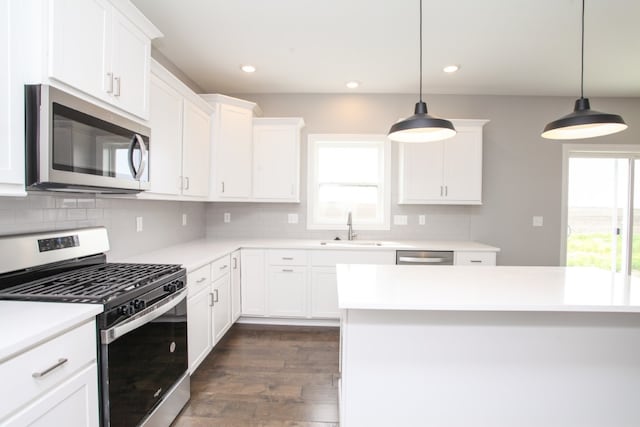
(583, 122)
(421, 127)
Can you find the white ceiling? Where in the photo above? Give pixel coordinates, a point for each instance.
(504, 47)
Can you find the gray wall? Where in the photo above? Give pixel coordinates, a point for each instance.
(162, 220)
(521, 178)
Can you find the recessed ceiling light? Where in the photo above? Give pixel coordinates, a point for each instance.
(248, 68)
(450, 68)
(353, 84)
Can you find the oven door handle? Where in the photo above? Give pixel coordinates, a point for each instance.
(147, 315)
(418, 260)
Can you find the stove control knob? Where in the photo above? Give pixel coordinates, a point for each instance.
(171, 288)
(139, 305)
(125, 310)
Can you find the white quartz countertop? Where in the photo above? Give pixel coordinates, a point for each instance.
(197, 253)
(484, 288)
(24, 324)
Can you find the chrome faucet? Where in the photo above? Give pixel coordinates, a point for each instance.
(350, 234)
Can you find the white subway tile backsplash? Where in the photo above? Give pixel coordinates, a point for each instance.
(7, 216)
(95, 213)
(86, 203)
(26, 216)
(66, 203)
(76, 214)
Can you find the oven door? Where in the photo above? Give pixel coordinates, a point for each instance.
(141, 360)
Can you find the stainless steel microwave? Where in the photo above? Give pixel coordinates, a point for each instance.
(73, 145)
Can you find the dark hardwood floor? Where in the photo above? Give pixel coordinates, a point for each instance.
(267, 376)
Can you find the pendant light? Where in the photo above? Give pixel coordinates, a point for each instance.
(583, 122)
(421, 127)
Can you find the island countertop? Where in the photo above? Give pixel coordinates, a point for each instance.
(483, 288)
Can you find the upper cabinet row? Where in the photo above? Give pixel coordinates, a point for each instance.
(447, 172)
(93, 47)
(253, 159)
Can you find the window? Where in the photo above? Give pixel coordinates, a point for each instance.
(601, 208)
(348, 173)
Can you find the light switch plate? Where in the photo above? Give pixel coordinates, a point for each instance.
(399, 220)
(139, 224)
(422, 219)
(184, 219)
(292, 218)
(227, 217)
(537, 221)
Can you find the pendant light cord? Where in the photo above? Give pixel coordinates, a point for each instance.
(582, 55)
(421, 49)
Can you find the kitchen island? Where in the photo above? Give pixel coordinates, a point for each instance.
(488, 346)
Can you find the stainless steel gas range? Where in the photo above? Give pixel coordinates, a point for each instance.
(142, 332)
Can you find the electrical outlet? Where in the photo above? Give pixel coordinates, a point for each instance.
(400, 220)
(139, 224)
(537, 221)
(292, 218)
(227, 217)
(422, 219)
(184, 219)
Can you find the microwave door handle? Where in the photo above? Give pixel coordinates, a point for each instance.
(137, 172)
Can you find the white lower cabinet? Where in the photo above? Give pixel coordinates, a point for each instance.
(253, 288)
(287, 291)
(208, 308)
(324, 293)
(236, 306)
(54, 383)
(74, 403)
(221, 306)
(474, 258)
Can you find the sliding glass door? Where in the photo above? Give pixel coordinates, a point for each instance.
(602, 221)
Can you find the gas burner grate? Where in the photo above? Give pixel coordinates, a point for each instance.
(95, 284)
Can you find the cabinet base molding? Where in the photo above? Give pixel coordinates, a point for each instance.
(288, 321)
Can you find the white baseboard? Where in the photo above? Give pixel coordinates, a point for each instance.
(288, 321)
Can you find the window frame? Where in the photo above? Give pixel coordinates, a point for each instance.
(313, 142)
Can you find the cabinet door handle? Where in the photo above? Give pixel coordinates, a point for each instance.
(116, 86)
(200, 280)
(223, 267)
(287, 258)
(222, 186)
(56, 365)
(109, 82)
(215, 295)
(287, 270)
(211, 299)
(446, 190)
(186, 182)
(441, 191)
(235, 263)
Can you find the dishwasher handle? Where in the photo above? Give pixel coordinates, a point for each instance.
(419, 260)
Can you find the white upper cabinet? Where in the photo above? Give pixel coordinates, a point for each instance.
(231, 139)
(276, 159)
(443, 172)
(11, 102)
(195, 150)
(180, 135)
(95, 48)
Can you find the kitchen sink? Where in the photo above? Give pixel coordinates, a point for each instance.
(351, 243)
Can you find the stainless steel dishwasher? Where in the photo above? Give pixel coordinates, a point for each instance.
(424, 257)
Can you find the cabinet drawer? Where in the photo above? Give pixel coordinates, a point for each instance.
(331, 258)
(199, 279)
(220, 267)
(287, 257)
(475, 258)
(52, 363)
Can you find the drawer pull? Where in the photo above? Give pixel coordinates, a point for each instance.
(476, 260)
(200, 280)
(287, 270)
(59, 363)
(287, 258)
